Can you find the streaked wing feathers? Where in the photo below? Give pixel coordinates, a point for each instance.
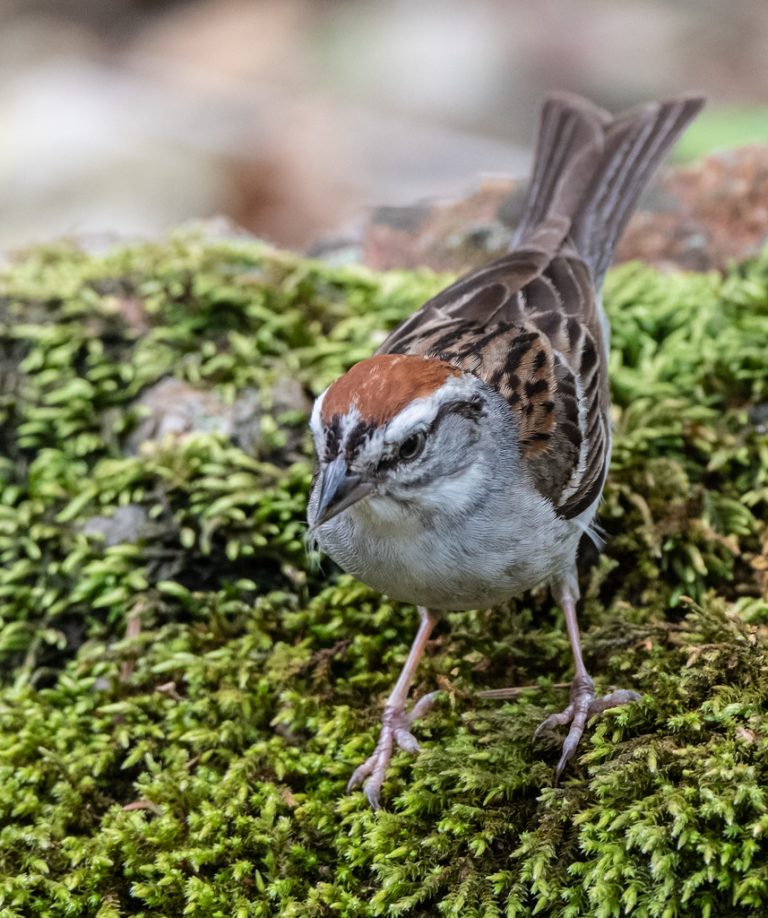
(528, 326)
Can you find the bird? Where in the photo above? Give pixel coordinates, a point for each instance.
(461, 464)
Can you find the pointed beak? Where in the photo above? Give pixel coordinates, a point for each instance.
(339, 489)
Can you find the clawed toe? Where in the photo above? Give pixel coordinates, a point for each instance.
(583, 705)
(613, 700)
(371, 774)
(395, 730)
(553, 721)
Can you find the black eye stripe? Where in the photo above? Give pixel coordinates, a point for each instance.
(332, 438)
(472, 409)
(357, 436)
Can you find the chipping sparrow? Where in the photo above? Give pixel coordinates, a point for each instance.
(462, 463)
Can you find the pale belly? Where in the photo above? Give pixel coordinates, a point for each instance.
(471, 566)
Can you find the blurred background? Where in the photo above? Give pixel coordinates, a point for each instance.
(291, 117)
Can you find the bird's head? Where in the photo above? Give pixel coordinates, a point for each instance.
(402, 431)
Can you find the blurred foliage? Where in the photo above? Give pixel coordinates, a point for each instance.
(723, 128)
(180, 709)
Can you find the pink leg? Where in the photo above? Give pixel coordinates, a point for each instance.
(396, 721)
(584, 704)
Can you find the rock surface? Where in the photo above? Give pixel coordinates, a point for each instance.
(697, 217)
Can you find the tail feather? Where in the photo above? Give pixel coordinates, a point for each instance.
(590, 168)
(569, 128)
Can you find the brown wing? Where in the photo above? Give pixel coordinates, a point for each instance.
(562, 306)
(484, 297)
(539, 351)
(528, 324)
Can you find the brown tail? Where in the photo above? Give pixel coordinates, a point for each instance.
(591, 168)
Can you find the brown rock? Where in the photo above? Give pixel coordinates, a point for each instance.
(717, 213)
(696, 217)
(444, 235)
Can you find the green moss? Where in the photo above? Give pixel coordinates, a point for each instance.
(179, 713)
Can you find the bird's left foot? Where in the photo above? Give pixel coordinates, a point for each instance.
(584, 704)
(395, 730)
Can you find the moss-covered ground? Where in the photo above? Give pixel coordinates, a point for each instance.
(180, 708)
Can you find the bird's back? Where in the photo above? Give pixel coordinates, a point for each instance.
(530, 324)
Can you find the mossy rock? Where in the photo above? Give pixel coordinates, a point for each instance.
(183, 699)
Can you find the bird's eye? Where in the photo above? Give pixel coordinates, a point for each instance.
(412, 447)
